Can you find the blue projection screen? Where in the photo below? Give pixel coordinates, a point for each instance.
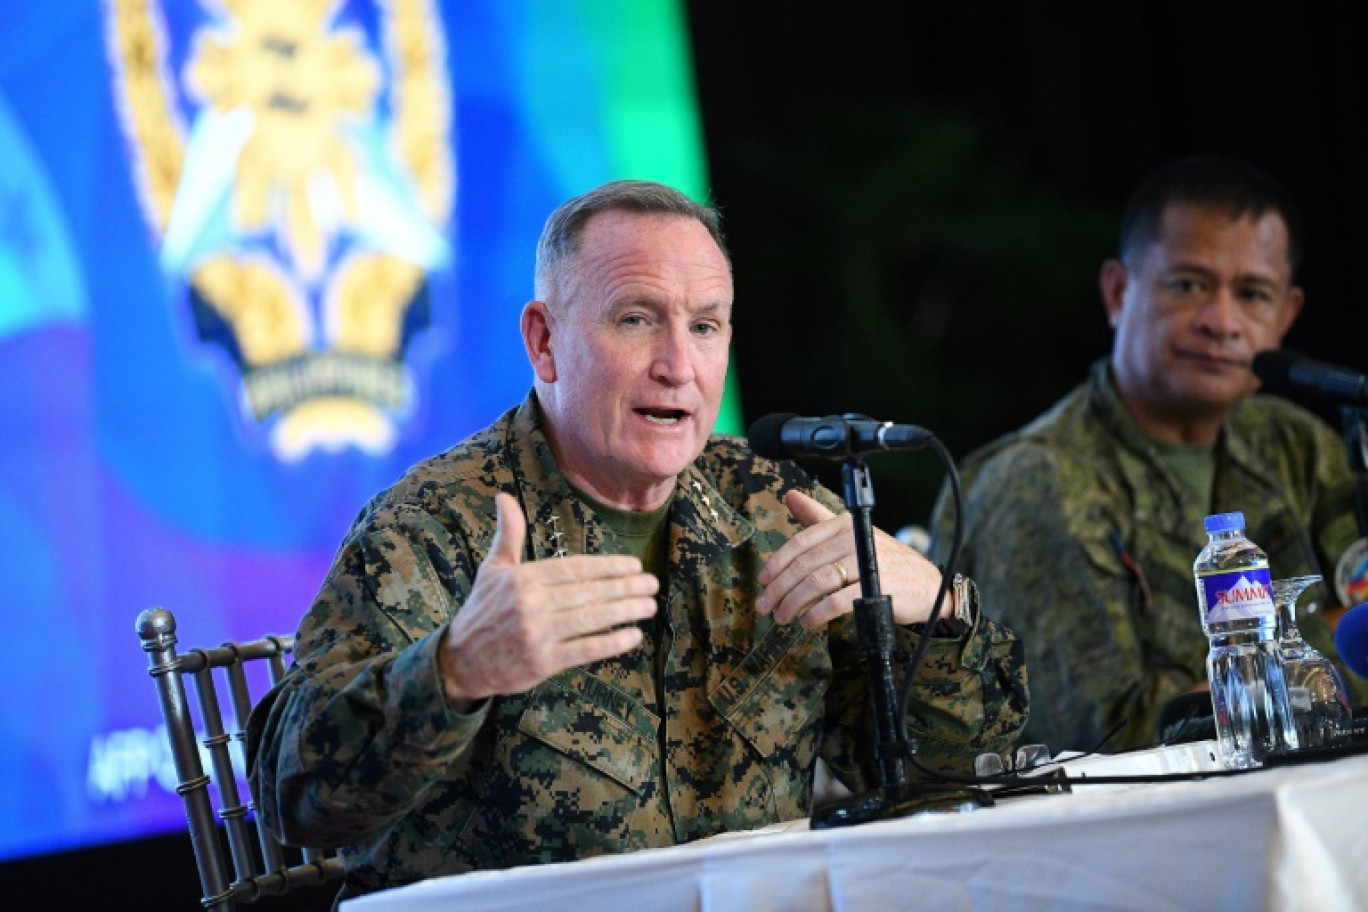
(256, 258)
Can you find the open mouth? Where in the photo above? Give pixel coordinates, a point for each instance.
(663, 416)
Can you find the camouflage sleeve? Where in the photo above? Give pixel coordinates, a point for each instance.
(1342, 557)
(1035, 541)
(969, 696)
(1334, 525)
(1309, 461)
(360, 726)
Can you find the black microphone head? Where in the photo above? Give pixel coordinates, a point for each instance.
(1273, 368)
(766, 434)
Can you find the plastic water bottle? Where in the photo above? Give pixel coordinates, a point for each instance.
(1248, 691)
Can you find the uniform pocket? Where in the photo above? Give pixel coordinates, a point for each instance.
(777, 692)
(595, 724)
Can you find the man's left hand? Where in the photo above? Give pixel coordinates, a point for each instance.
(814, 577)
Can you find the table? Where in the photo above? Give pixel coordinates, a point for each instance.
(1286, 838)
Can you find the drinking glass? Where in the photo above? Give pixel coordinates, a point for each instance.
(1320, 702)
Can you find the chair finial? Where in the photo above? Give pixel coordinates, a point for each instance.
(155, 623)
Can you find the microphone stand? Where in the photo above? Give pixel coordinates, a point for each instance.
(895, 796)
(1354, 422)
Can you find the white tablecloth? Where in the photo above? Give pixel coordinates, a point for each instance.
(1289, 838)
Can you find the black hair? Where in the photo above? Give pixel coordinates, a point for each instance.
(1214, 182)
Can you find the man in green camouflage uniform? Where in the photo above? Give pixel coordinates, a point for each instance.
(1081, 528)
(593, 627)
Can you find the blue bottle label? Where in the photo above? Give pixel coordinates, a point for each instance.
(1238, 595)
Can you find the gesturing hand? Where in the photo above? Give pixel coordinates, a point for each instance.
(814, 576)
(524, 622)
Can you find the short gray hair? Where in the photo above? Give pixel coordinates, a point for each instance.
(560, 238)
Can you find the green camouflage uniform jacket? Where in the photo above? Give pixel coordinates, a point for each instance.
(1055, 511)
(358, 747)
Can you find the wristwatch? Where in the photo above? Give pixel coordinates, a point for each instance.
(966, 599)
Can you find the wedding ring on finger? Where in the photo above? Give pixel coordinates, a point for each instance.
(845, 577)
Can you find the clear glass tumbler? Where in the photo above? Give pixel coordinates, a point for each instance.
(1315, 689)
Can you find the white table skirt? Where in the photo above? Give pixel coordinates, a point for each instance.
(1291, 838)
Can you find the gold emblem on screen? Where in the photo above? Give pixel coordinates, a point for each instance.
(302, 201)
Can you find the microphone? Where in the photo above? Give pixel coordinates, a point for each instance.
(1351, 639)
(784, 434)
(1284, 371)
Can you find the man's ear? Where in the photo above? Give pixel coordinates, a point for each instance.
(536, 333)
(1112, 282)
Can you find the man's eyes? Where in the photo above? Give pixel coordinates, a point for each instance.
(1256, 294)
(701, 328)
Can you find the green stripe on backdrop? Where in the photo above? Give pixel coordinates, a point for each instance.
(651, 111)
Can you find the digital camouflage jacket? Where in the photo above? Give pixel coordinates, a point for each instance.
(1083, 544)
(358, 747)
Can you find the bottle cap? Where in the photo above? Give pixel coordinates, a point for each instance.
(1225, 522)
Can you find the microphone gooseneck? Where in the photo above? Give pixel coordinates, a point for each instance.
(848, 437)
(1288, 373)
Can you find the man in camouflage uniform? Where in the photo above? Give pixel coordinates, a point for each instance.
(1082, 527)
(592, 627)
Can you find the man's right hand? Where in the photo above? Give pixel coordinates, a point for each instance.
(524, 622)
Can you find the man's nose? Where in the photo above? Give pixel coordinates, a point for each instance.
(1220, 314)
(673, 361)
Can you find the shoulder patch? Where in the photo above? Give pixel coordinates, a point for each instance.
(1351, 574)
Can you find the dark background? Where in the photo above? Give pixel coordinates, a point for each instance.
(918, 196)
